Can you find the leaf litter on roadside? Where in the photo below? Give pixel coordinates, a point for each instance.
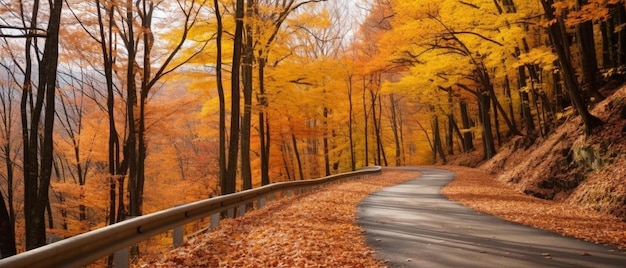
(482, 192)
(316, 229)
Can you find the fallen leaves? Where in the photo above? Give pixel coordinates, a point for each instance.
(478, 190)
(316, 229)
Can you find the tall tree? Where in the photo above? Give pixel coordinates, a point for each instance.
(38, 151)
(105, 37)
(150, 76)
(221, 95)
(7, 240)
(247, 81)
(272, 23)
(586, 43)
(559, 41)
(229, 181)
(8, 154)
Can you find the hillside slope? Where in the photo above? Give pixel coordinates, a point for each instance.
(569, 167)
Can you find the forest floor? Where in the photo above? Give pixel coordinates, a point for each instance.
(316, 229)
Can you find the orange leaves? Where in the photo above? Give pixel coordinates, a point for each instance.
(315, 229)
(594, 10)
(479, 191)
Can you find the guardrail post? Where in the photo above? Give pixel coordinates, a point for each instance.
(178, 236)
(230, 213)
(121, 258)
(242, 210)
(215, 221)
(261, 202)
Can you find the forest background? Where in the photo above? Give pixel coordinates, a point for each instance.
(115, 109)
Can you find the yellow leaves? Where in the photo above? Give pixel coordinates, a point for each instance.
(442, 43)
(541, 56)
(316, 229)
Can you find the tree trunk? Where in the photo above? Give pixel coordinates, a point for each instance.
(325, 143)
(438, 146)
(233, 148)
(589, 63)
(456, 129)
(121, 208)
(497, 124)
(449, 134)
(7, 210)
(106, 46)
(535, 97)
(468, 140)
(607, 45)
(498, 107)
(30, 150)
(488, 143)
(7, 231)
(525, 101)
(395, 128)
(351, 125)
(298, 160)
(374, 98)
(618, 15)
(264, 126)
(507, 93)
(131, 105)
(246, 123)
(37, 180)
(137, 207)
(380, 132)
(559, 102)
(220, 91)
(366, 125)
(558, 40)
(286, 159)
(381, 158)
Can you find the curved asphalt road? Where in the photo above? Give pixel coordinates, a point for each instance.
(412, 225)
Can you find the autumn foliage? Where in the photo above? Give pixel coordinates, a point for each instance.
(142, 105)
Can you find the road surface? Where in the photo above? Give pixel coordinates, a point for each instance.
(413, 225)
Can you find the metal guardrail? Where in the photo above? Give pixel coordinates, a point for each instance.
(88, 247)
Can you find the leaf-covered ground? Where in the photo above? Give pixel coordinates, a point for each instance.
(316, 229)
(483, 192)
(319, 229)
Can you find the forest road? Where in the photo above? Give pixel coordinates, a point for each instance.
(413, 225)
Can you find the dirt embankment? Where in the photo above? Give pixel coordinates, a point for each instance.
(568, 167)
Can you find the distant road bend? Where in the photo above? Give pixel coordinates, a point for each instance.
(413, 225)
